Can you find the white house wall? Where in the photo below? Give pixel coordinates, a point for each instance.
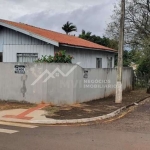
(87, 57)
(12, 42)
(10, 51)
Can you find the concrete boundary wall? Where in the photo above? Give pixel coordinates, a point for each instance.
(58, 83)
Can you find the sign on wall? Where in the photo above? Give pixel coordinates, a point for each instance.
(85, 75)
(19, 69)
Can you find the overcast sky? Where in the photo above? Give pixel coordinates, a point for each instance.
(90, 15)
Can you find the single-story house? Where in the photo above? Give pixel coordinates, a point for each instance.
(20, 42)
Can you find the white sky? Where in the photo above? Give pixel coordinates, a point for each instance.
(90, 15)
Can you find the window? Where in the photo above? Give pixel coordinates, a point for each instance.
(109, 62)
(98, 62)
(1, 57)
(27, 57)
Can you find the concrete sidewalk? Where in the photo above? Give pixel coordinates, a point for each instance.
(38, 116)
(35, 115)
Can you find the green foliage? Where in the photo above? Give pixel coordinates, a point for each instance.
(144, 66)
(59, 57)
(132, 56)
(69, 27)
(126, 59)
(97, 39)
(137, 32)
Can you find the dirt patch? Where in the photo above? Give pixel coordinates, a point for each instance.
(6, 105)
(94, 108)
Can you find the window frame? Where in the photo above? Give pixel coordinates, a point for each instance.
(27, 55)
(99, 62)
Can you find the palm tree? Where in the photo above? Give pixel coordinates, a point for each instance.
(69, 27)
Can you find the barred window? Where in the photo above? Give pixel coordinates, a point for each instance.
(27, 57)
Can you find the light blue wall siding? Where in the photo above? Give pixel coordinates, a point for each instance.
(87, 57)
(11, 37)
(10, 51)
(13, 42)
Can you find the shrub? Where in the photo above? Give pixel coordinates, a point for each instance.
(144, 66)
(59, 57)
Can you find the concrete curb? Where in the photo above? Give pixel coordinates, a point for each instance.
(84, 120)
(76, 121)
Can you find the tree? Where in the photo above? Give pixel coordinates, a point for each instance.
(131, 56)
(144, 64)
(137, 22)
(99, 40)
(86, 35)
(69, 27)
(137, 32)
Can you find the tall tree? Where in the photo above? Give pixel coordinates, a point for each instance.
(69, 27)
(137, 22)
(144, 64)
(99, 40)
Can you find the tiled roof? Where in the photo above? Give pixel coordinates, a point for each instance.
(58, 37)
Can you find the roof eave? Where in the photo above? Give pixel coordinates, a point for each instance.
(105, 50)
(30, 34)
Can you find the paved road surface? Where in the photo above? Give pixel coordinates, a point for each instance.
(131, 132)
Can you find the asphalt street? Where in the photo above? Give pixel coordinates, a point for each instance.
(131, 132)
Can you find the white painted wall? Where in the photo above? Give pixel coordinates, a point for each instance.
(10, 37)
(12, 42)
(87, 57)
(60, 89)
(10, 51)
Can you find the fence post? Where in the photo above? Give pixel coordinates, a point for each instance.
(133, 80)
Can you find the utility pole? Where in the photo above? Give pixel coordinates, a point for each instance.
(118, 98)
